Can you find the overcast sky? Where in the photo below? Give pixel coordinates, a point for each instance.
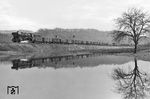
(35, 14)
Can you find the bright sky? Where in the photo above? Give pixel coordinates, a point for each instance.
(35, 14)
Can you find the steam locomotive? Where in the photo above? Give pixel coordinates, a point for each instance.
(21, 36)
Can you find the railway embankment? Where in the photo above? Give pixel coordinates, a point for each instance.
(22, 50)
(53, 49)
(41, 49)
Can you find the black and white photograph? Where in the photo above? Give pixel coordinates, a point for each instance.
(74, 49)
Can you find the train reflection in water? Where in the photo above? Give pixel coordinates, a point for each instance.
(55, 62)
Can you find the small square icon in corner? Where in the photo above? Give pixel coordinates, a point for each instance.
(13, 90)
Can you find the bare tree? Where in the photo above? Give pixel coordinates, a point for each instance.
(133, 24)
(132, 84)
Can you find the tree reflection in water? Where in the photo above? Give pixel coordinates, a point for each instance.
(132, 84)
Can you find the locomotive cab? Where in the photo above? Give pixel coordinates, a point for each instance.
(16, 37)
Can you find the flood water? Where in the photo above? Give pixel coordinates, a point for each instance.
(76, 77)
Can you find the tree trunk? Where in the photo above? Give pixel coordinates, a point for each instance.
(135, 47)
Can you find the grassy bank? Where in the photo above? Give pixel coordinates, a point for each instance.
(44, 50)
(60, 48)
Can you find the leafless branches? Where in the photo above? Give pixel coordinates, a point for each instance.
(133, 24)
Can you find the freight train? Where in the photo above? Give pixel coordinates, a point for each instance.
(35, 38)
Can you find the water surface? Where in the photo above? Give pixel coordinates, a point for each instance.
(72, 77)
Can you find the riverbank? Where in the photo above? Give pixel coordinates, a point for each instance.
(142, 55)
(17, 50)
